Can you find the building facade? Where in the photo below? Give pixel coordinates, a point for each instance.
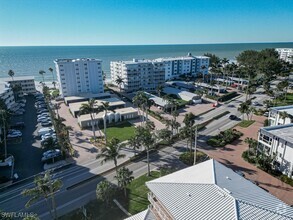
(6, 94)
(77, 76)
(277, 116)
(26, 84)
(138, 74)
(148, 74)
(286, 54)
(277, 142)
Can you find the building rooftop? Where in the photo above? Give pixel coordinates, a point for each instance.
(282, 131)
(288, 109)
(158, 101)
(210, 190)
(75, 106)
(100, 115)
(82, 96)
(18, 78)
(76, 60)
(3, 86)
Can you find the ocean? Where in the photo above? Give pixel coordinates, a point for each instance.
(26, 61)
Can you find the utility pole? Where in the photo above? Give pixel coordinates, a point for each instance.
(4, 135)
(195, 145)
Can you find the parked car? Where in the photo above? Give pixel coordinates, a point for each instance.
(17, 113)
(47, 136)
(233, 117)
(18, 125)
(43, 114)
(46, 123)
(42, 111)
(45, 131)
(51, 154)
(266, 114)
(255, 103)
(43, 119)
(14, 135)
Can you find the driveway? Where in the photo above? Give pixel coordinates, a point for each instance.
(231, 156)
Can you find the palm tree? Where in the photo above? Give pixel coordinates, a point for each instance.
(134, 143)
(283, 115)
(11, 74)
(53, 80)
(252, 143)
(44, 187)
(244, 109)
(105, 106)
(49, 144)
(111, 152)
(42, 72)
(124, 177)
(119, 81)
(91, 109)
(160, 90)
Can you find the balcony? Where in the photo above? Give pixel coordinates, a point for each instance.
(157, 209)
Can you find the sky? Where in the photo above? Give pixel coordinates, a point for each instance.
(136, 22)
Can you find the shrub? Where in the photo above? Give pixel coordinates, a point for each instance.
(224, 138)
(228, 96)
(188, 157)
(287, 180)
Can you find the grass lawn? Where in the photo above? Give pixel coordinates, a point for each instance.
(122, 131)
(137, 193)
(135, 202)
(246, 123)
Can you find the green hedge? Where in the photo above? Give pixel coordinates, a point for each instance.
(287, 180)
(223, 139)
(246, 123)
(188, 157)
(228, 96)
(221, 115)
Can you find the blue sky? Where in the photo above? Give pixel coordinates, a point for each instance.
(111, 22)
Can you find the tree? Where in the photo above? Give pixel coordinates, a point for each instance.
(11, 74)
(105, 107)
(283, 115)
(147, 139)
(124, 177)
(16, 89)
(165, 134)
(119, 81)
(45, 188)
(49, 143)
(160, 90)
(42, 72)
(53, 80)
(104, 191)
(91, 109)
(244, 109)
(111, 152)
(252, 143)
(134, 143)
(213, 58)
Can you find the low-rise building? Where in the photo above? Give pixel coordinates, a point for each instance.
(280, 115)
(26, 83)
(121, 114)
(184, 95)
(209, 190)
(286, 54)
(6, 94)
(114, 103)
(77, 76)
(277, 142)
(85, 97)
(158, 101)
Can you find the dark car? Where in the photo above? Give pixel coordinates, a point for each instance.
(18, 125)
(233, 117)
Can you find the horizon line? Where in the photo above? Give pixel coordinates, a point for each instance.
(77, 45)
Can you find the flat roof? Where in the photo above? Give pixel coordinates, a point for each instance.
(159, 101)
(100, 115)
(18, 78)
(76, 60)
(75, 106)
(287, 108)
(209, 86)
(284, 132)
(86, 96)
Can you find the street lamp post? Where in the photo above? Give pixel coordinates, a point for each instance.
(195, 145)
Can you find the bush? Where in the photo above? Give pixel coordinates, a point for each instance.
(188, 157)
(224, 138)
(249, 159)
(228, 96)
(246, 123)
(287, 180)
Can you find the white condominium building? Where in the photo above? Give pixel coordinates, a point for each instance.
(286, 54)
(27, 83)
(6, 94)
(277, 116)
(209, 190)
(147, 74)
(277, 142)
(138, 74)
(77, 76)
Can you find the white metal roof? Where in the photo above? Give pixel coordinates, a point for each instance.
(287, 108)
(144, 215)
(210, 190)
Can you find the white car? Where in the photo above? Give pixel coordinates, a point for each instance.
(14, 135)
(51, 134)
(51, 154)
(46, 123)
(45, 114)
(43, 119)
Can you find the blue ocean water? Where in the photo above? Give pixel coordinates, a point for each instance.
(29, 60)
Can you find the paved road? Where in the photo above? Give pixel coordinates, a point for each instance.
(69, 199)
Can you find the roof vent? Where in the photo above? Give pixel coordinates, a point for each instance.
(188, 194)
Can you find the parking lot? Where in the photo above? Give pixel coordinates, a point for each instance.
(27, 152)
